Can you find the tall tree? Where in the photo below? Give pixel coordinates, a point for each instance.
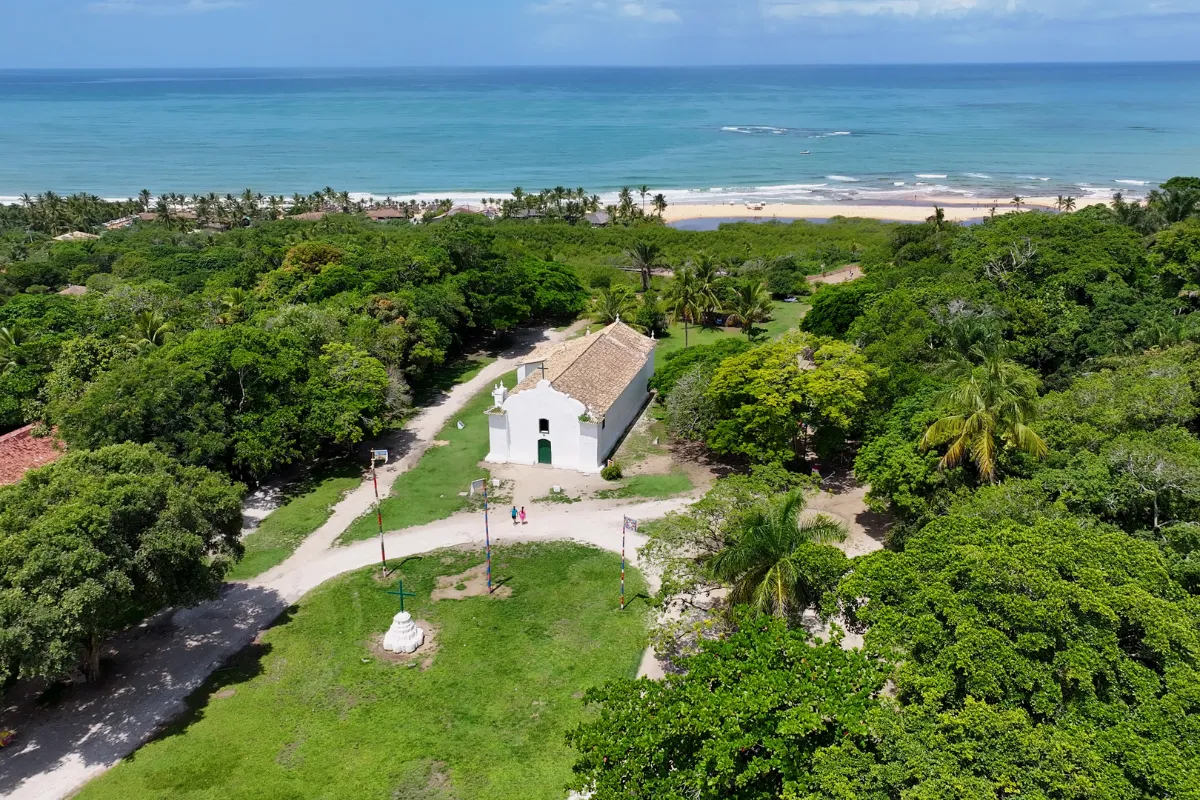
(682, 299)
(644, 257)
(613, 303)
(98, 541)
(989, 407)
(749, 302)
(643, 190)
(781, 563)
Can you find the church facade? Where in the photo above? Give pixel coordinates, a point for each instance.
(573, 401)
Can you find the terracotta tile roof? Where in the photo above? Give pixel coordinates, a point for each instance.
(20, 452)
(593, 369)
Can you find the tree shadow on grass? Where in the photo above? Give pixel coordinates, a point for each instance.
(154, 672)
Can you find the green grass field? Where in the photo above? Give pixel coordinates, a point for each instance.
(654, 487)
(429, 491)
(310, 713)
(282, 531)
(784, 316)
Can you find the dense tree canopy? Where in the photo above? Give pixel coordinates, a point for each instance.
(99, 540)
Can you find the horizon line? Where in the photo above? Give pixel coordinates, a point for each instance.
(617, 67)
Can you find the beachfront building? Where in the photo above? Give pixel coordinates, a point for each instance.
(573, 401)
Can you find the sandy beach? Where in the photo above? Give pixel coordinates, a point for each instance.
(957, 209)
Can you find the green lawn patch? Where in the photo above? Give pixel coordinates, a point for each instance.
(429, 491)
(282, 531)
(312, 713)
(784, 317)
(649, 486)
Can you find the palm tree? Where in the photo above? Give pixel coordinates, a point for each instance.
(708, 287)
(659, 201)
(10, 340)
(144, 199)
(643, 190)
(781, 564)
(996, 400)
(1017, 201)
(625, 201)
(233, 301)
(749, 302)
(1068, 203)
(1059, 202)
(610, 304)
(644, 257)
(938, 219)
(150, 330)
(682, 299)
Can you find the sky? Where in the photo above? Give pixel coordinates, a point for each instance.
(340, 33)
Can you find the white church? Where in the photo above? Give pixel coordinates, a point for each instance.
(573, 400)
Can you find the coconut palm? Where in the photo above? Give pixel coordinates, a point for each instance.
(644, 257)
(150, 330)
(988, 407)
(682, 299)
(643, 190)
(938, 219)
(659, 201)
(10, 340)
(1068, 203)
(625, 201)
(749, 302)
(781, 564)
(1017, 201)
(610, 304)
(233, 303)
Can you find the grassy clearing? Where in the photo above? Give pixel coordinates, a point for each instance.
(429, 491)
(310, 713)
(556, 497)
(282, 531)
(784, 316)
(654, 487)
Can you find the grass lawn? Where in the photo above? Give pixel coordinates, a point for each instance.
(310, 713)
(784, 316)
(650, 486)
(282, 531)
(429, 491)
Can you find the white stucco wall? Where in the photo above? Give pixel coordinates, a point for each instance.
(523, 370)
(497, 438)
(623, 412)
(523, 412)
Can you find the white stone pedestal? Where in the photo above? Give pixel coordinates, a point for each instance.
(404, 636)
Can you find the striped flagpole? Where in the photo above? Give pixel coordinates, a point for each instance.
(624, 527)
(487, 538)
(378, 516)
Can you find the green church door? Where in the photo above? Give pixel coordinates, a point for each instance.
(543, 451)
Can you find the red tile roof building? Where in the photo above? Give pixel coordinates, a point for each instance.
(21, 452)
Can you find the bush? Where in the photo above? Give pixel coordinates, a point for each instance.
(600, 281)
(612, 472)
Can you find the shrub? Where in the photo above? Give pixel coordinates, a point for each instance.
(612, 472)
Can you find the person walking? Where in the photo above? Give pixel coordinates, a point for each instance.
(514, 515)
(522, 515)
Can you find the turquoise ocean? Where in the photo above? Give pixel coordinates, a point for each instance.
(717, 134)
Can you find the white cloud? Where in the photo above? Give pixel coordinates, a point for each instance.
(142, 7)
(649, 12)
(644, 10)
(1049, 9)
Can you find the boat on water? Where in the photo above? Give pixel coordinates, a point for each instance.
(805, 153)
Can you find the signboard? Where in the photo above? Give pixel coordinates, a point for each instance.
(476, 486)
(379, 455)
